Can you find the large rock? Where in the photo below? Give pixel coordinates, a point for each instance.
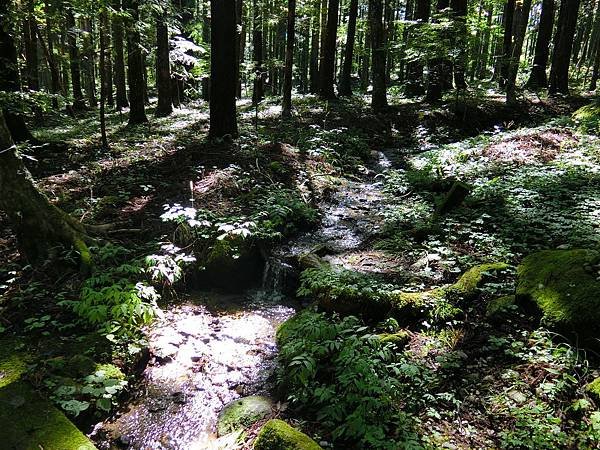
(278, 435)
(565, 287)
(242, 413)
(27, 421)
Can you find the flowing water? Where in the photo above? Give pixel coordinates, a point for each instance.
(215, 348)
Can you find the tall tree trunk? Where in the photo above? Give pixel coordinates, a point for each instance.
(78, 102)
(379, 98)
(119, 56)
(137, 112)
(54, 71)
(258, 91)
(31, 49)
(414, 69)
(522, 13)
(345, 87)
(10, 82)
(507, 40)
(485, 46)
(286, 110)
(103, 45)
(88, 62)
(459, 10)
(538, 77)
(223, 120)
(327, 69)
(108, 67)
(366, 60)
(163, 69)
(594, 50)
(439, 73)
(314, 52)
(559, 73)
(38, 224)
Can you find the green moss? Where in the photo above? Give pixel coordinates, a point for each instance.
(468, 284)
(242, 413)
(593, 389)
(562, 283)
(399, 339)
(498, 306)
(278, 435)
(111, 371)
(30, 423)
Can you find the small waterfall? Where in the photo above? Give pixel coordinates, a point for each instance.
(279, 276)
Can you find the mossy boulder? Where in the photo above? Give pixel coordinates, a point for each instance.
(593, 389)
(27, 421)
(563, 284)
(499, 307)
(242, 413)
(278, 435)
(399, 339)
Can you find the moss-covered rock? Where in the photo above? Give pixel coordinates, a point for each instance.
(593, 389)
(278, 435)
(27, 421)
(564, 286)
(498, 307)
(399, 339)
(242, 413)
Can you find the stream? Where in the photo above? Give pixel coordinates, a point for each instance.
(214, 347)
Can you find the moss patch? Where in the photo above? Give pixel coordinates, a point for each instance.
(400, 339)
(278, 435)
(562, 283)
(497, 307)
(594, 389)
(29, 423)
(242, 413)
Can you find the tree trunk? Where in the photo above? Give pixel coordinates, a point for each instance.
(108, 67)
(163, 69)
(559, 73)
(31, 49)
(78, 102)
(38, 225)
(10, 82)
(314, 53)
(54, 72)
(438, 70)
(223, 120)
(345, 87)
(414, 69)
(286, 110)
(102, 30)
(137, 112)
(459, 10)
(522, 12)
(327, 70)
(88, 62)
(508, 20)
(379, 98)
(485, 46)
(119, 57)
(258, 91)
(538, 77)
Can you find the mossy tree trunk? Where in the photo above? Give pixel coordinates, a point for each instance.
(39, 225)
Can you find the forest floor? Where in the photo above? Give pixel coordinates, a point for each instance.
(366, 186)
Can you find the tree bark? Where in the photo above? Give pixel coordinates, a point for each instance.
(522, 12)
(88, 62)
(345, 87)
(223, 120)
(163, 69)
(378, 98)
(258, 91)
(78, 102)
(327, 69)
(119, 56)
(102, 31)
(508, 20)
(31, 50)
(49, 50)
(137, 112)
(314, 53)
(286, 110)
(439, 72)
(538, 77)
(559, 73)
(38, 225)
(459, 10)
